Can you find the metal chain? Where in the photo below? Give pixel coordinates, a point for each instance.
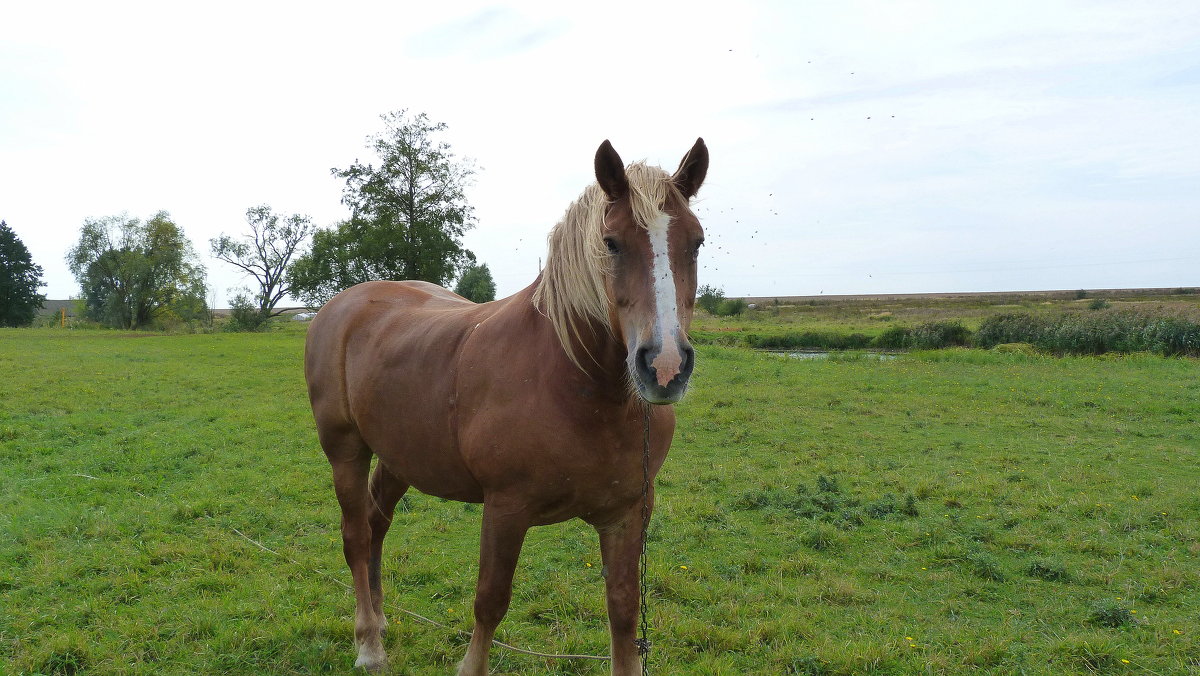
(643, 643)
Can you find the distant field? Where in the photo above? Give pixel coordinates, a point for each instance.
(976, 296)
(950, 512)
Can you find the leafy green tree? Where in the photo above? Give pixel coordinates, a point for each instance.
(476, 284)
(407, 215)
(19, 281)
(266, 253)
(134, 274)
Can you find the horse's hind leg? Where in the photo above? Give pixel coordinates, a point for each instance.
(386, 491)
(351, 464)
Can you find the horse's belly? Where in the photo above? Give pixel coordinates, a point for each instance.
(412, 435)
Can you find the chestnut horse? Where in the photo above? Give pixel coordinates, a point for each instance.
(532, 405)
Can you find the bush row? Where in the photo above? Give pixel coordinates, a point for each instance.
(1094, 333)
(1075, 333)
(928, 336)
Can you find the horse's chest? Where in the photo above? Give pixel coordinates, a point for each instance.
(590, 490)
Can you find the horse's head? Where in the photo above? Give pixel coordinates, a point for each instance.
(652, 246)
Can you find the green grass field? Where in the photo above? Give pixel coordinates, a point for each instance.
(948, 512)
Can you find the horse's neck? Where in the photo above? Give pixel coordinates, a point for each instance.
(600, 354)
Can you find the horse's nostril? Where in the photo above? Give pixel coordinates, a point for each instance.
(689, 358)
(643, 358)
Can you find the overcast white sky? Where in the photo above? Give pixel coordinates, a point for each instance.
(868, 147)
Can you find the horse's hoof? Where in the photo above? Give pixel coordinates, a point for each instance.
(373, 662)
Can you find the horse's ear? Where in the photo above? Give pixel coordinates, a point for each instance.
(692, 170)
(610, 172)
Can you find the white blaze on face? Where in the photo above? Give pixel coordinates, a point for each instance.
(666, 364)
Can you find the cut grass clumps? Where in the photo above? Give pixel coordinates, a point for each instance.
(1050, 571)
(820, 537)
(1094, 332)
(809, 666)
(1016, 348)
(1111, 614)
(1091, 654)
(826, 505)
(986, 567)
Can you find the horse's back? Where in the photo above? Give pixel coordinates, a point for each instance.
(380, 360)
(364, 310)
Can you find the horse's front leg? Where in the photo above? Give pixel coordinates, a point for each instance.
(621, 548)
(500, 546)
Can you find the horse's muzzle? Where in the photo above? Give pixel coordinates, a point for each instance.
(666, 387)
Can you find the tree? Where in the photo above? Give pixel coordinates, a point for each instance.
(19, 281)
(709, 298)
(407, 215)
(134, 274)
(266, 253)
(476, 284)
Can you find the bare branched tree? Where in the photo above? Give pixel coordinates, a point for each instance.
(266, 253)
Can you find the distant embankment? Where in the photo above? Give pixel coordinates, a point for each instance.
(1059, 294)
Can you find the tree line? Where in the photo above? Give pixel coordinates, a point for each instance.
(408, 212)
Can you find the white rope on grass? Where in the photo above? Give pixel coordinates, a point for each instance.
(410, 613)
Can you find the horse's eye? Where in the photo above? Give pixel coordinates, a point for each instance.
(612, 245)
(696, 249)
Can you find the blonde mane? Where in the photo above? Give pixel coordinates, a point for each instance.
(571, 290)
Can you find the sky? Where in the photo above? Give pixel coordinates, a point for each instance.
(856, 147)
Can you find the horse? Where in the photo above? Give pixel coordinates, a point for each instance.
(533, 405)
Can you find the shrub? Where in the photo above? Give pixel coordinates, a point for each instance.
(937, 335)
(1015, 327)
(731, 307)
(1094, 333)
(244, 315)
(709, 298)
(893, 337)
(1098, 304)
(927, 336)
(820, 340)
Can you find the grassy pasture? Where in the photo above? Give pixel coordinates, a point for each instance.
(943, 512)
